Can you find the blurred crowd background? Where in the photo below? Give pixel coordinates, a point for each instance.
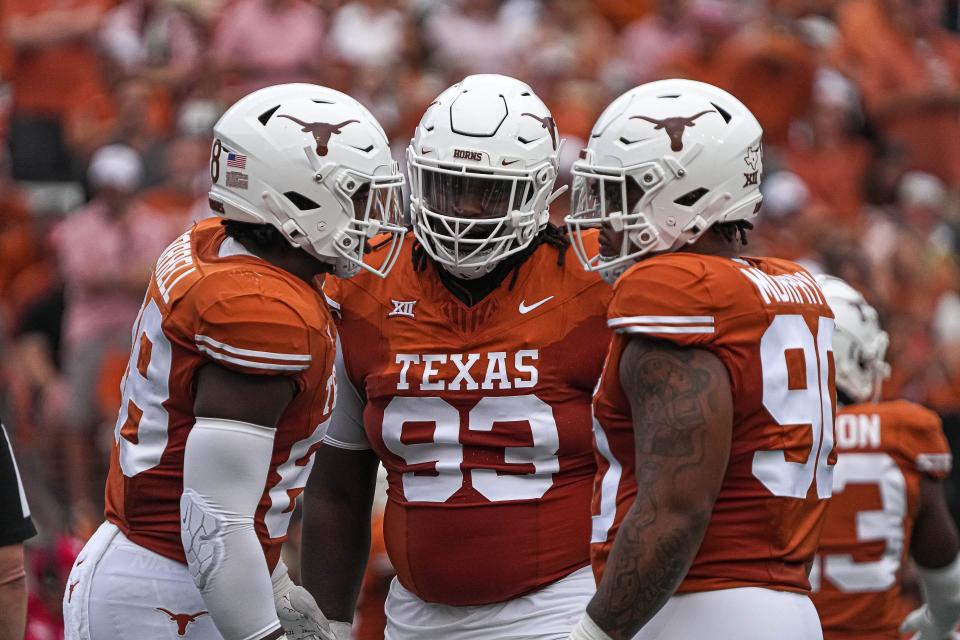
(106, 108)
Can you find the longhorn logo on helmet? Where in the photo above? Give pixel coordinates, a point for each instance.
(674, 127)
(321, 131)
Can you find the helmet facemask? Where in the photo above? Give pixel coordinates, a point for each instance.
(861, 366)
(612, 200)
(470, 219)
(370, 206)
(377, 207)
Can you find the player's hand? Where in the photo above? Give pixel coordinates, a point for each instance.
(923, 627)
(298, 612)
(341, 630)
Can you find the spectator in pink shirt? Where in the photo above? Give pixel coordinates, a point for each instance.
(472, 36)
(648, 43)
(263, 42)
(106, 252)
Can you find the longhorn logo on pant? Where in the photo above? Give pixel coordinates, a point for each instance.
(182, 619)
(321, 131)
(674, 127)
(547, 123)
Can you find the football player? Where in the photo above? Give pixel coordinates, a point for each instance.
(888, 499)
(468, 372)
(715, 411)
(230, 383)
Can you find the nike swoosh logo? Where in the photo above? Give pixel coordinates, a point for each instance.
(525, 308)
(507, 163)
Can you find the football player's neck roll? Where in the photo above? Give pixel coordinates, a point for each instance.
(268, 244)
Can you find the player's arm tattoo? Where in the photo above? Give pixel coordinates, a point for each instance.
(682, 408)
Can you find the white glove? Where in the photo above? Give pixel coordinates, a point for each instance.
(299, 614)
(924, 627)
(341, 630)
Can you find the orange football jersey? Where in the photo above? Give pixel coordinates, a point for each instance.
(885, 449)
(768, 322)
(481, 416)
(239, 312)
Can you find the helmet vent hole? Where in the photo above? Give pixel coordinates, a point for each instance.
(301, 201)
(691, 197)
(525, 93)
(266, 115)
(670, 95)
(723, 112)
(321, 101)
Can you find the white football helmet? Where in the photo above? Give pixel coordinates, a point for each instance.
(482, 166)
(315, 164)
(859, 343)
(665, 161)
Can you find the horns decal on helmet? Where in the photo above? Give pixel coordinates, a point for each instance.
(547, 123)
(674, 127)
(321, 131)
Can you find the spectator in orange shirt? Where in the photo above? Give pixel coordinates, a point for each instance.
(54, 63)
(187, 182)
(825, 150)
(763, 63)
(129, 112)
(908, 67)
(16, 237)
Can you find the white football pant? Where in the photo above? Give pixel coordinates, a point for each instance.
(118, 589)
(548, 614)
(735, 614)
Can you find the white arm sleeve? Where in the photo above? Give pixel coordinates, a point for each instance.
(346, 423)
(225, 467)
(941, 591)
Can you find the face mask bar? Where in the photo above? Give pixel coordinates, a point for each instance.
(861, 372)
(377, 206)
(597, 202)
(474, 219)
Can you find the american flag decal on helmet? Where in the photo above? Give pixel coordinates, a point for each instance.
(236, 160)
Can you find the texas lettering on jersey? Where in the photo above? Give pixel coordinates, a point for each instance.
(886, 449)
(770, 325)
(241, 313)
(481, 416)
(456, 371)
